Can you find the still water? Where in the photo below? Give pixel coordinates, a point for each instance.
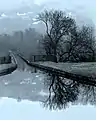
(10, 109)
(21, 93)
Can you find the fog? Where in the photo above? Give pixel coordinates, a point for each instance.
(19, 15)
(21, 33)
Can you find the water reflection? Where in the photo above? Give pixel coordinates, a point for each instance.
(63, 92)
(55, 92)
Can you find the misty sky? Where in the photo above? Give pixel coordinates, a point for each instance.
(85, 7)
(10, 4)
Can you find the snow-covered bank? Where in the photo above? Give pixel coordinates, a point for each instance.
(88, 68)
(5, 66)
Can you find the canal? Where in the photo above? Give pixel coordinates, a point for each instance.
(21, 94)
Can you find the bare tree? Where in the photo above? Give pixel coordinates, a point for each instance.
(57, 26)
(80, 46)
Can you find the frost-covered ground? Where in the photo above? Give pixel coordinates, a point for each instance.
(5, 66)
(88, 68)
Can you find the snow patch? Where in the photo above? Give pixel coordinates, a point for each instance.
(34, 83)
(43, 93)
(27, 79)
(6, 83)
(21, 14)
(4, 15)
(36, 22)
(37, 76)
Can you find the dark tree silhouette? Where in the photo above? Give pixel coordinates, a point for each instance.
(63, 92)
(57, 26)
(81, 46)
(65, 40)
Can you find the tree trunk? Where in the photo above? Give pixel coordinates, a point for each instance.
(55, 55)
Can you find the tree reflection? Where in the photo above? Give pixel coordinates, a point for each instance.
(88, 95)
(63, 91)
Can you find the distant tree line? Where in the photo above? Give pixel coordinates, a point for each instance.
(26, 41)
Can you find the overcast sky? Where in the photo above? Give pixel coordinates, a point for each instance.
(8, 4)
(85, 6)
